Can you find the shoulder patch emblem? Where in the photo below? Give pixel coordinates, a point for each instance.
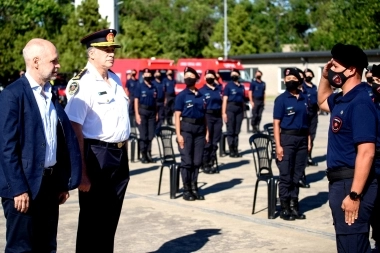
(73, 88)
(336, 124)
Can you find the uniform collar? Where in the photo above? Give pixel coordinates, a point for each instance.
(290, 95)
(351, 94)
(35, 85)
(207, 87)
(93, 71)
(188, 91)
(304, 84)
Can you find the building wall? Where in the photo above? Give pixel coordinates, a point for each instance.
(272, 70)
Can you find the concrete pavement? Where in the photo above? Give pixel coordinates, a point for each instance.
(221, 223)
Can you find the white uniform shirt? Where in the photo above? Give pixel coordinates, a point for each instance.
(100, 108)
(49, 119)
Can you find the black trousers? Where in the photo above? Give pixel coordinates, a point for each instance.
(235, 116)
(313, 122)
(100, 208)
(292, 165)
(147, 129)
(257, 111)
(375, 218)
(169, 108)
(354, 238)
(214, 124)
(161, 115)
(192, 153)
(131, 105)
(36, 230)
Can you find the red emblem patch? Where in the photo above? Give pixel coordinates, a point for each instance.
(336, 124)
(378, 90)
(287, 72)
(336, 79)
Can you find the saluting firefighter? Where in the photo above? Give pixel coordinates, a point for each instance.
(98, 111)
(146, 114)
(213, 96)
(191, 130)
(291, 134)
(233, 111)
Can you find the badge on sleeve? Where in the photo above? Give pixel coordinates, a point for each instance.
(73, 88)
(336, 124)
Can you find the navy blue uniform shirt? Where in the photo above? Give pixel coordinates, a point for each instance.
(258, 89)
(234, 93)
(292, 112)
(353, 120)
(312, 95)
(213, 97)
(146, 95)
(131, 86)
(169, 86)
(160, 90)
(191, 105)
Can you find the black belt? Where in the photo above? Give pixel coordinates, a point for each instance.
(160, 100)
(170, 95)
(48, 171)
(235, 103)
(340, 173)
(146, 107)
(297, 132)
(199, 121)
(105, 144)
(215, 112)
(377, 153)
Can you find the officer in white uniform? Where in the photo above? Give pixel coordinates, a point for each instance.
(98, 110)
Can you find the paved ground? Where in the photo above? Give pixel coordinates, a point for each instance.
(221, 223)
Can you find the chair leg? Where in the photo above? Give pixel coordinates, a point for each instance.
(173, 183)
(178, 173)
(216, 164)
(159, 182)
(138, 150)
(271, 198)
(133, 150)
(254, 197)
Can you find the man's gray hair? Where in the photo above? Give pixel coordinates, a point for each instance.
(89, 50)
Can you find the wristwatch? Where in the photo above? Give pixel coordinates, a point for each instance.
(355, 196)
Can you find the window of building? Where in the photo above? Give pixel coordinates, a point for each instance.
(281, 83)
(251, 72)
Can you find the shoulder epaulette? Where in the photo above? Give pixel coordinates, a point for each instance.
(80, 74)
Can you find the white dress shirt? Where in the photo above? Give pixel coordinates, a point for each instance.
(101, 108)
(48, 117)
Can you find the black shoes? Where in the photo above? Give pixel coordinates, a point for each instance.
(149, 157)
(285, 211)
(310, 162)
(302, 183)
(144, 158)
(187, 194)
(234, 152)
(294, 209)
(195, 191)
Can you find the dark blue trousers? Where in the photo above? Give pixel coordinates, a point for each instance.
(192, 153)
(257, 111)
(292, 165)
(313, 122)
(354, 238)
(100, 208)
(169, 108)
(161, 115)
(235, 116)
(214, 125)
(375, 218)
(147, 129)
(36, 230)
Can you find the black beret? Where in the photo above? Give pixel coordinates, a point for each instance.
(376, 70)
(146, 70)
(293, 72)
(102, 38)
(236, 70)
(191, 70)
(210, 71)
(349, 56)
(310, 71)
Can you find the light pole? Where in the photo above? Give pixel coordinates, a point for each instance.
(225, 31)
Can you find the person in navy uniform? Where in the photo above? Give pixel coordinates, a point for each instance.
(351, 146)
(98, 111)
(369, 76)
(257, 100)
(131, 85)
(291, 134)
(213, 96)
(146, 114)
(310, 91)
(40, 158)
(169, 83)
(233, 111)
(375, 218)
(160, 100)
(191, 130)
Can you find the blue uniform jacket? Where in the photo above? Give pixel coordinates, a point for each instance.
(258, 89)
(22, 144)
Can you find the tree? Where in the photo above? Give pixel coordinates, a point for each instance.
(82, 21)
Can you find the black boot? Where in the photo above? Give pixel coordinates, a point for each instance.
(294, 209)
(302, 183)
(187, 194)
(232, 151)
(237, 152)
(206, 167)
(194, 189)
(285, 211)
(149, 157)
(170, 121)
(310, 162)
(144, 158)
